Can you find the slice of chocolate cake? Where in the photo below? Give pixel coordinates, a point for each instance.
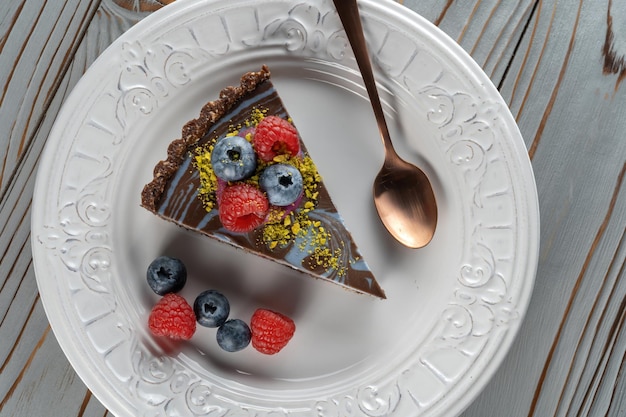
(241, 174)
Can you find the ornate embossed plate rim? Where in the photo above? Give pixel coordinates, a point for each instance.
(92, 271)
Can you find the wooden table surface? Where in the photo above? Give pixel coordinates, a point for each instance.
(559, 64)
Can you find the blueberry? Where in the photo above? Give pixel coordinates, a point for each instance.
(233, 158)
(282, 183)
(234, 335)
(211, 308)
(166, 275)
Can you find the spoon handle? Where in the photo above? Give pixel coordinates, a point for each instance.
(349, 14)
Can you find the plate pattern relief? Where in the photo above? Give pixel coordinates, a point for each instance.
(144, 68)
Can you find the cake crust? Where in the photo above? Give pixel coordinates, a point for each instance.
(193, 131)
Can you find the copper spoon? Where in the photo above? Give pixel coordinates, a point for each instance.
(403, 194)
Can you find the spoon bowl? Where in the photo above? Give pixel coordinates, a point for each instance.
(403, 194)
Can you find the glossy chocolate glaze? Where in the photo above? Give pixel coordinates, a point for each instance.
(172, 194)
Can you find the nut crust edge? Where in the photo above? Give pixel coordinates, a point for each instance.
(193, 131)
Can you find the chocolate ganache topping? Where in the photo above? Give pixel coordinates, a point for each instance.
(310, 238)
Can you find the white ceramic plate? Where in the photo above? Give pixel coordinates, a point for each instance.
(453, 308)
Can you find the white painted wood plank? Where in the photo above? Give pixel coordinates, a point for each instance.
(34, 57)
(36, 379)
(570, 108)
(27, 346)
(572, 117)
(23, 324)
(489, 30)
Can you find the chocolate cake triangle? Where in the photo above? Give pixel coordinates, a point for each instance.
(238, 175)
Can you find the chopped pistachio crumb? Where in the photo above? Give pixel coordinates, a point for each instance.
(208, 180)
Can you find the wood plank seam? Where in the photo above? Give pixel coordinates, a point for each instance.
(10, 272)
(48, 95)
(527, 56)
(482, 31)
(5, 90)
(19, 378)
(507, 69)
(555, 92)
(3, 40)
(590, 253)
(19, 337)
(83, 405)
(470, 17)
(608, 351)
(439, 19)
(603, 316)
(617, 400)
(53, 90)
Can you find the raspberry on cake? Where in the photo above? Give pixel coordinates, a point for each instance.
(242, 175)
(275, 136)
(242, 207)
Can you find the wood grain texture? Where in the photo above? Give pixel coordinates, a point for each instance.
(35, 377)
(37, 47)
(489, 30)
(559, 64)
(568, 358)
(30, 358)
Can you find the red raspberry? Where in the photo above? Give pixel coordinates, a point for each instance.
(275, 136)
(242, 207)
(271, 331)
(172, 317)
